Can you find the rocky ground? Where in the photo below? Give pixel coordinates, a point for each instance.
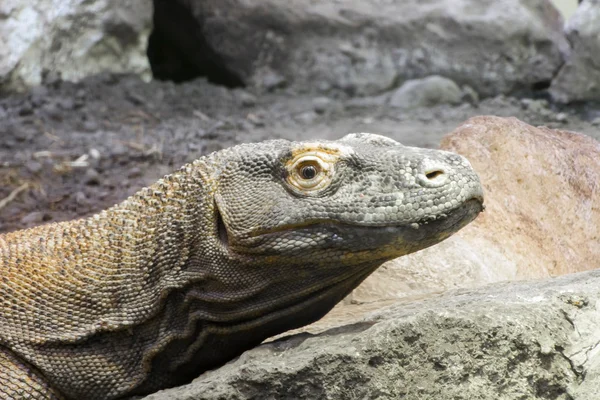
(71, 149)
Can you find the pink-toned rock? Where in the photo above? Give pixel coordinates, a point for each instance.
(542, 193)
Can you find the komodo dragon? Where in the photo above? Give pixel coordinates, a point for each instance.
(237, 246)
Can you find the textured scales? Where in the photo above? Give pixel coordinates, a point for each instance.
(233, 248)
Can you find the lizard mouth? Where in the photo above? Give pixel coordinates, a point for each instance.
(388, 240)
(467, 210)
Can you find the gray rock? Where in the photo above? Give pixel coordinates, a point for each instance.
(533, 340)
(272, 80)
(35, 218)
(365, 47)
(469, 95)
(561, 117)
(92, 177)
(81, 198)
(247, 99)
(71, 39)
(579, 78)
(306, 118)
(426, 92)
(321, 104)
(33, 166)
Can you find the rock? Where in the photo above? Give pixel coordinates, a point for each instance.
(71, 39)
(561, 117)
(365, 47)
(321, 104)
(92, 177)
(81, 198)
(469, 95)
(273, 80)
(426, 92)
(135, 172)
(306, 118)
(579, 78)
(247, 99)
(536, 106)
(90, 126)
(526, 340)
(33, 166)
(35, 218)
(542, 214)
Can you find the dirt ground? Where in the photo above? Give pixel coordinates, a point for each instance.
(68, 150)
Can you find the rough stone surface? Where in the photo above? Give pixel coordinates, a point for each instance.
(542, 217)
(579, 78)
(426, 92)
(368, 47)
(527, 340)
(71, 39)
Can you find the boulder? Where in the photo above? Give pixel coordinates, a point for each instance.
(361, 47)
(542, 216)
(71, 39)
(426, 92)
(525, 340)
(579, 78)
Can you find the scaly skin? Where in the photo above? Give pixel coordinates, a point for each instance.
(233, 248)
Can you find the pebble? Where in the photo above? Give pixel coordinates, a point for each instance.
(321, 104)
(26, 109)
(33, 166)
(273, 80)
(469, 95)
(90, 126)
(66, 104)
(92, 177)
(306, 117)
(247, 99)
(36, 217)
(134, 172)
(53, 112)
(536, 106)
(561, 117)
(95, 154)
(38, 95)
(81, 198)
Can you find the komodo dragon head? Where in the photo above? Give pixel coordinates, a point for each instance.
(304, 223)
(338, 204)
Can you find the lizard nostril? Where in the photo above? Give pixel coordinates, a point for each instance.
(434, 174)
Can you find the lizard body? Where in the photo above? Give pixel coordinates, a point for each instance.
(237, 246)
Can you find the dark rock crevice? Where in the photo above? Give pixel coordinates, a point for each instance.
(177, 50)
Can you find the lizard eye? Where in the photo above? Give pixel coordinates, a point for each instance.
(309, 173)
